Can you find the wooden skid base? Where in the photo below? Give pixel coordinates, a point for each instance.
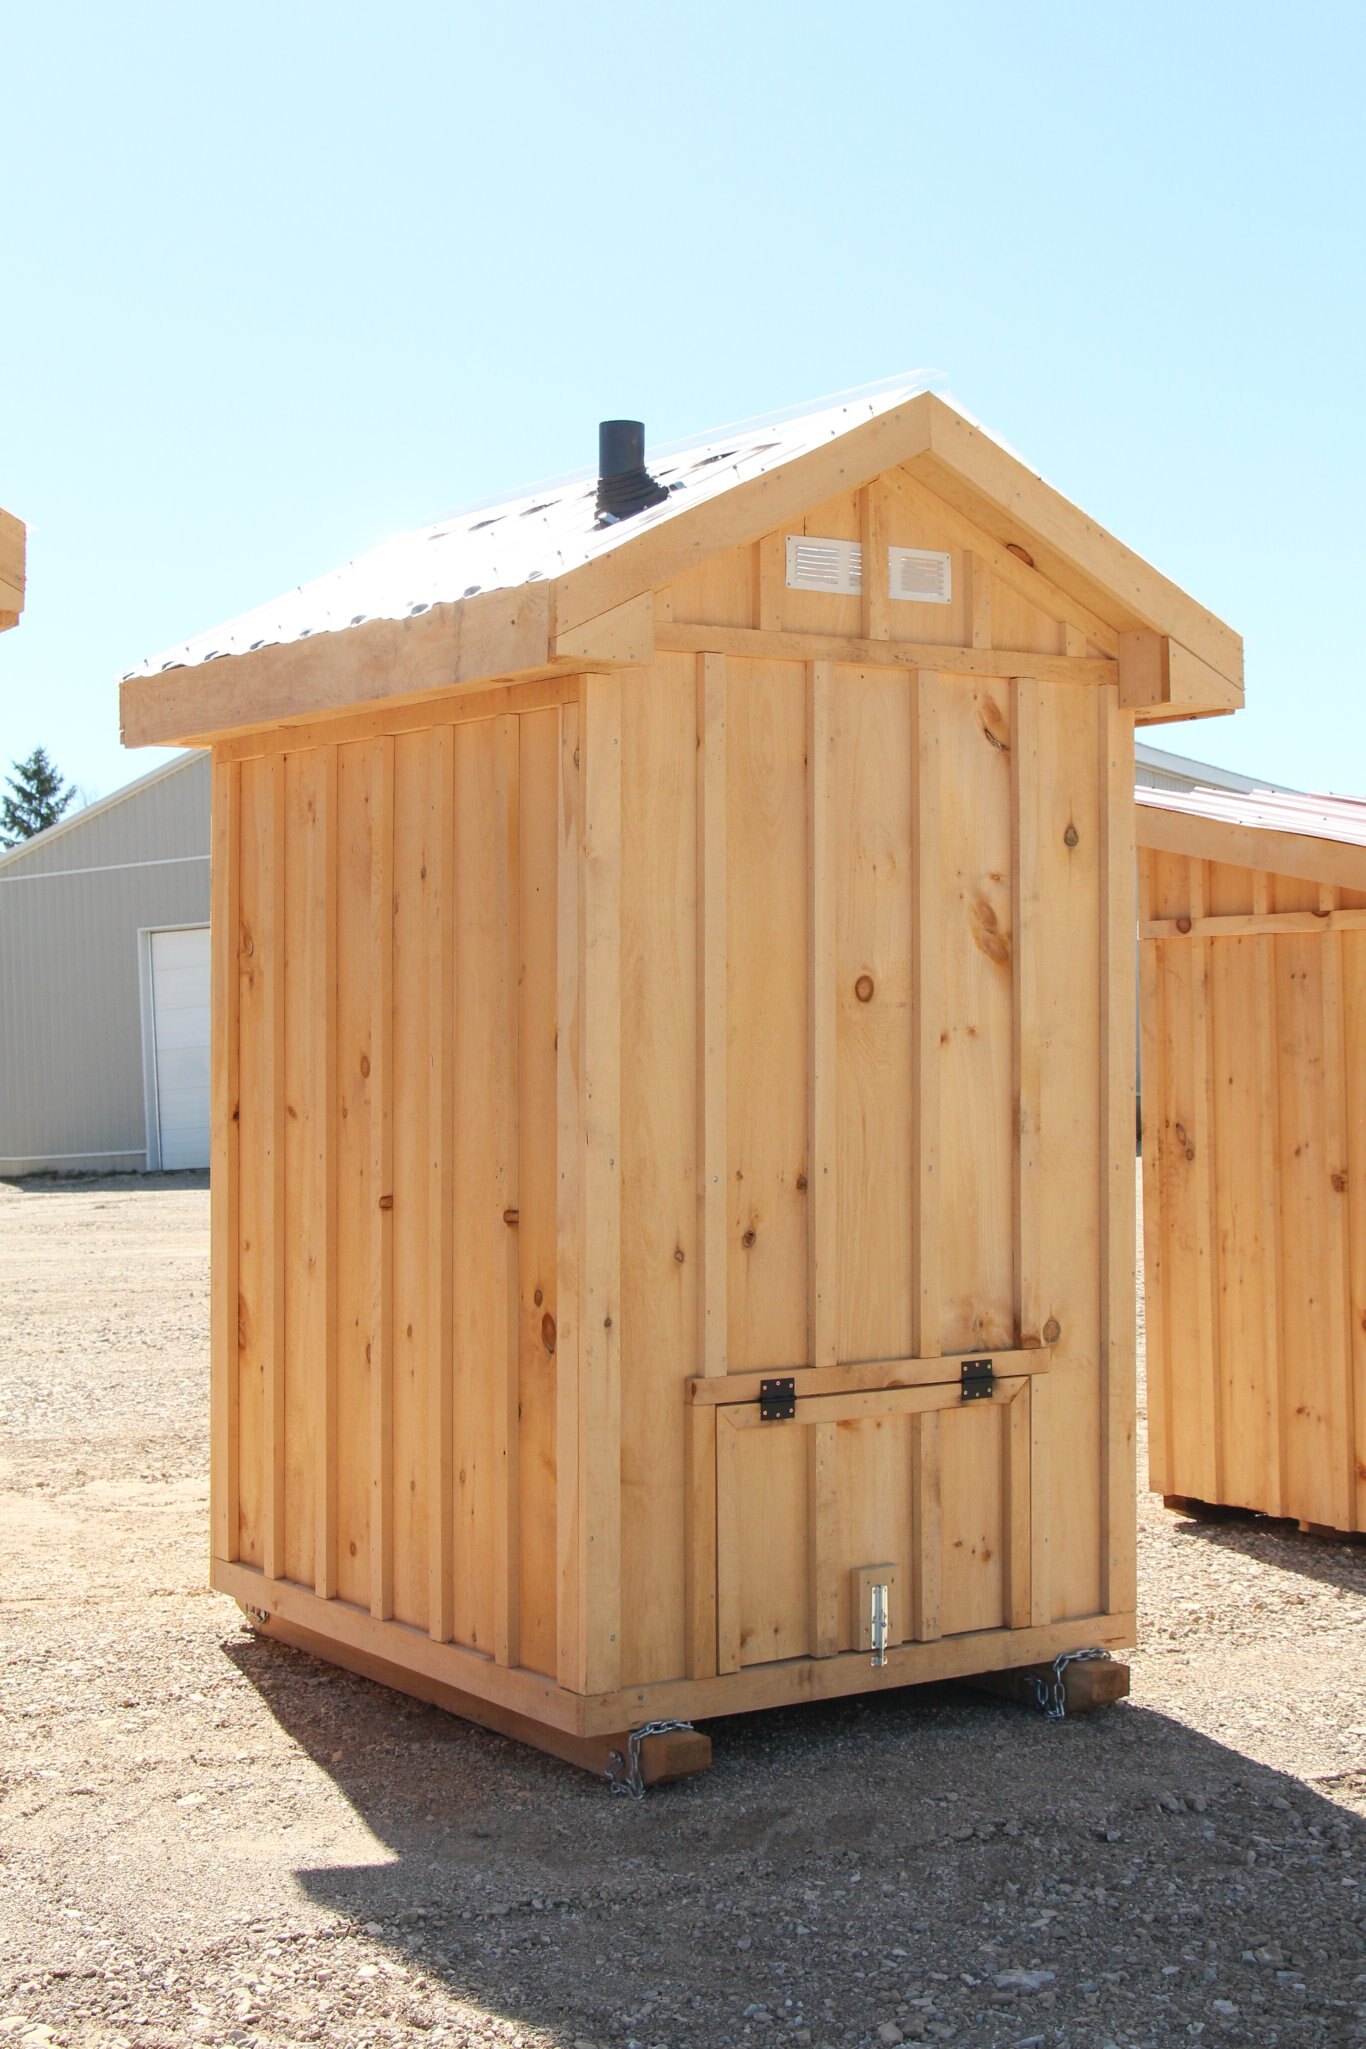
(1205, 1511)
(1092, 1683)
(675, 1755)
(1337, 1536)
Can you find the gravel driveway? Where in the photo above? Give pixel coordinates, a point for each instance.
(205, 1837)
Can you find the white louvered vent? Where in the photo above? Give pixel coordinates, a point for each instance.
(835, 567)
(922, 574)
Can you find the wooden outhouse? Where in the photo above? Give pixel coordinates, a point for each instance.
(1254, 1150)
(12, 539)
(673, 1095)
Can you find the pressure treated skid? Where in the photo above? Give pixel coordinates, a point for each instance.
(592, 1046)
(1254, 1091)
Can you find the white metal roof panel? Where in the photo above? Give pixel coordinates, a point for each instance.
(540, 533)
(1322, 817)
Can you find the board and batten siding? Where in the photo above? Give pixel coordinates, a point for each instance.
(73, 1079)
(723, 1016)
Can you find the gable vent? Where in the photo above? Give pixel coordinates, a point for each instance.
(831, 566)
(922, 574)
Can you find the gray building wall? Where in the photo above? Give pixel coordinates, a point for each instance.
(73, 902)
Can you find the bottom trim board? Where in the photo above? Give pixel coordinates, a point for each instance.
(416, 1663)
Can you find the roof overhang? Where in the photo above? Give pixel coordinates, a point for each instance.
(1176, 660)
(12, 545)
(1309, 857)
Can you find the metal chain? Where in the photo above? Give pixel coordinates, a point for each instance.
(1050, 1693)
(623, 1773)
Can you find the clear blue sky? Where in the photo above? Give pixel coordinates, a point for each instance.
(276, 281)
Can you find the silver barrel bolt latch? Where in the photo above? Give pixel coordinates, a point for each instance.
(877, 1621)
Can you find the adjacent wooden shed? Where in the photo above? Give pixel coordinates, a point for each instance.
(673, 1167)
(13, 537)
(1254, 1150)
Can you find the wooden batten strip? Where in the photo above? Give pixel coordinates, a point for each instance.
(508, 1517)
(569, 1151)
(700, 1590)
(323, 997)
(977, 600)
(711, 1029)
(926, 984)
(224, 1230)
(1118, 1376)
(1156, 1104)
(1338, 1252)
(746, 643)
(441, 994)
(274, 1221)
(599, 1445)
(770, 582)
(1252, 924)
(730, 1531)
(381, 764)
(822, 1049)
(927, 1529)
(822, 1510)
(1041, 1494)
(1017, 1505)
(874, 602)
(1026, 1014)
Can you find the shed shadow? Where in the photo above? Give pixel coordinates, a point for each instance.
(1334, 1560)
(836, 1858)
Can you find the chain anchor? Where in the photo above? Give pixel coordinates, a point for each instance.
(623, 1772)
(1051, 1693)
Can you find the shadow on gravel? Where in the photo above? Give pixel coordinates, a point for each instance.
(1335, 1561)
(96, 1184)
(936, 1863)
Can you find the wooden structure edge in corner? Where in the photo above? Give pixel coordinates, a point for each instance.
(673, 1091)
(13, 538)
(1253, 944)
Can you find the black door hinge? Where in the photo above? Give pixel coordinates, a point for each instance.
(978, 1380)
(777, 1400)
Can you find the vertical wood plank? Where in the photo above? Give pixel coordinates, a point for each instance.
(441, 1200)
(1073, 640)
(822, 1069)
(729, 1537)
(1118, 1366)
(568, 1212)
(927, 1529)
(1027, 1018)
(711, 987)
(223, 1176)
(324, 1026)
(600, 1041)
(1017, 1503)
(1040, 1488)
(507, 1511)
(701, 1555)
(978, 606)
(1267, 1087)
(272, 944)
(1338, 1217)
(1209, 1364)
(822, 1506)
(925, 990)
(874, 606)
(381, 1249)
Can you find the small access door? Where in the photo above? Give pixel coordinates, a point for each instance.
(926, 1491)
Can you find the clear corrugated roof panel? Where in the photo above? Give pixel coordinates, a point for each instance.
(542, 532)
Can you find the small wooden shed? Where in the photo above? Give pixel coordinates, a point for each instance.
(12, 549)
(673, 1066)
(1254, 1150)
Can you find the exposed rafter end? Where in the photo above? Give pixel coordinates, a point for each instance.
(1159, 679)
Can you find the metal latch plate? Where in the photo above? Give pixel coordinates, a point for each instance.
(977, 1380)
(777, 1400)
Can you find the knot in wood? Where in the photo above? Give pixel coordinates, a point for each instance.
(1052, 1331)
(678, 1254)
(386, 1202)
(749, 1238)
(1071, 836)
(863, 988)
(1183, 924)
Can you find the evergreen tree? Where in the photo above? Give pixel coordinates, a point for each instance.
(37, 799)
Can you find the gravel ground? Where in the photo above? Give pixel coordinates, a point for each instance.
(205, 1837)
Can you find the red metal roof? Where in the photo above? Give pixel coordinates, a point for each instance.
(1320, 817)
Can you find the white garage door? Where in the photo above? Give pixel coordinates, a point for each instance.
(180, 1045)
